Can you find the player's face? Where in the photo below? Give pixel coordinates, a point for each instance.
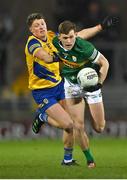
(39, 29)
(68, 40)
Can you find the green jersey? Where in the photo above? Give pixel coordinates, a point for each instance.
(83, 54)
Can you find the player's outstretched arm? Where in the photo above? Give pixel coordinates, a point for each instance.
(89, 32)
(106, 23)
(42, 54)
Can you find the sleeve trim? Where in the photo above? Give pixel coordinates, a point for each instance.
(97, 57)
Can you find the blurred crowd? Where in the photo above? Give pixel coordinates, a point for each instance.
(95, 14)
(90, 14)
(85, 13)
(15, 98)
(6, 31)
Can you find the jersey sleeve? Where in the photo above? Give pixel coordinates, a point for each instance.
(55, 42)
(33, 46)
(95, 55)
(91, 52)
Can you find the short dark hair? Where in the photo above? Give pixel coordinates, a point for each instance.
(32, 17)
(66, 26)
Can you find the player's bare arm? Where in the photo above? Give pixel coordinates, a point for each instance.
(106, 23)
(89, 32)
(104, 66)
(43, 55)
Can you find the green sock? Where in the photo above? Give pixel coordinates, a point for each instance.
(88, 155)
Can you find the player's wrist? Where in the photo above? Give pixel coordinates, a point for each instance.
(99, 86)
(100, 81)
(55, 57)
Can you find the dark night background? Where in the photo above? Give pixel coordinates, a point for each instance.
(15, 98)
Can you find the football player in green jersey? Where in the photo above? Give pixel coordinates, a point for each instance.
(77, 53)
(85, 33)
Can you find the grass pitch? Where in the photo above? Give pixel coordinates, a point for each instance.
(28, 159)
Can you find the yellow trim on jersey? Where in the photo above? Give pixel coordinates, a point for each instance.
(41, 74)
(73, 64)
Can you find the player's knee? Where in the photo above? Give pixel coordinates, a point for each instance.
(69, 126)
(79, 126)
(100, 128)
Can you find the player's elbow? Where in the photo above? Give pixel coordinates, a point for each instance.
(104, 61)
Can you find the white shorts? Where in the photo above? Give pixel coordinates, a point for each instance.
(75, 91)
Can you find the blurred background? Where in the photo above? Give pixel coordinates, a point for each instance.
(16, 104)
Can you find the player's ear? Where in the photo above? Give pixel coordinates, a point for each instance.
(30, 29)
(59, 36)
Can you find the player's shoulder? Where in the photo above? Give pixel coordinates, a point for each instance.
(83, 41)
(32, 39)
(84, 44)
(32, 44)
(55, 40)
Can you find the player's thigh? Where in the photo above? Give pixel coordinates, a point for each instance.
(75, 107)
(63, 103)
(57, 112)
(97, 111)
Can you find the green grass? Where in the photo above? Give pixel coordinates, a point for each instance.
(41, 159)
